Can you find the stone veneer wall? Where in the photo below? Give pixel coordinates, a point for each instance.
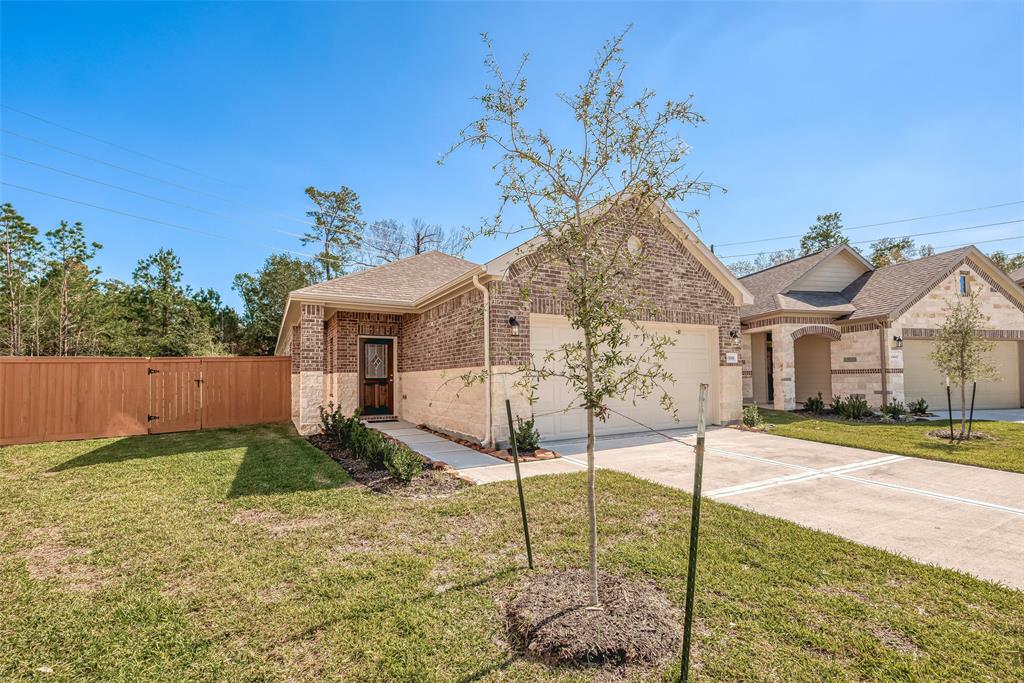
(308, 364)
(680, 288)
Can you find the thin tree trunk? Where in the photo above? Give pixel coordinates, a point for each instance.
(595, 600)
(963, 408)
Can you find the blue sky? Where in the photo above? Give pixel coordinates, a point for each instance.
(881, 111)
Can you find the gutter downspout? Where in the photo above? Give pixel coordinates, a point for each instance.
(885, 360)
(488, 439)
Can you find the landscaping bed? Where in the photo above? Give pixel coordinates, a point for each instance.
(503, 454)
(247, 554)
(1001, 448)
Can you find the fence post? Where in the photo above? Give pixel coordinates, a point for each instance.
(691, 568)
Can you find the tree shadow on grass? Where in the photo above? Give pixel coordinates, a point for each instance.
(273, 461)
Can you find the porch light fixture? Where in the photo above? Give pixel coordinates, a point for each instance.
(735, 335)
(514, 324)
(898, 341)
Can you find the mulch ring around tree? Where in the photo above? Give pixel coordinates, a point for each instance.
(638, 628)
(434, 482)
(974, 436)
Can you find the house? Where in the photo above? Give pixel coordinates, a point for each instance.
(404, 338)
(831, 323)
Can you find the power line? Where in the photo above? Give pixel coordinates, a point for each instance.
(876, 225)
(114, 144)
(920, 234)
(145, 195)
(157, 221)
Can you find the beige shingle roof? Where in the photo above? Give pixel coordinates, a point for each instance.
(882, 291)
(1018, 276)
(767, 283)
(400, 282)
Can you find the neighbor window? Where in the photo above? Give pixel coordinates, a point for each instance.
(962, 284)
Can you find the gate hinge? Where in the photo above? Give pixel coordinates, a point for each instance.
(150, 418)
(151, 371)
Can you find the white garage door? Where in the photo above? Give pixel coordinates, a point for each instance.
(692, 360)
(922, 379)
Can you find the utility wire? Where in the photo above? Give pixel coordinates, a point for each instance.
(876, 225)
(920, 234)
(162, 222)
(113, 144)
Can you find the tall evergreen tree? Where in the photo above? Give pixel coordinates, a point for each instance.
(827, 232)
(263, 296)
(337, 228)
(70, 289)
(20, 255)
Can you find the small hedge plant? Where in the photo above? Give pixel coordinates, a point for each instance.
(815, 404)
(918, 407)
(527, 436)
(850, 408)
(894, 410)
(369, 445)
(752, 416)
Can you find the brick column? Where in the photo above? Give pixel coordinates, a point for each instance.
(309, 359)
(783, 369)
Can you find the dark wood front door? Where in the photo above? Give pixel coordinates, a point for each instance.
(377, 376)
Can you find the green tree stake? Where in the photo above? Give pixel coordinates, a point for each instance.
(691, 569)
(519, 478)
(949, 405)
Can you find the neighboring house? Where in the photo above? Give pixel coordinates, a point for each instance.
(831, 323)
(1018, 276)
(398, 339)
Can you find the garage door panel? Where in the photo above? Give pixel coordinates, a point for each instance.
(922, 380)
(690, 360)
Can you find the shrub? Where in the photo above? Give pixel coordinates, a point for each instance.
(370, 446)
(526, 434)
(815, 404)
(894, 410)
(752, 416)
(850, 408)
(918, 407)
(401, 463)
(332, 420)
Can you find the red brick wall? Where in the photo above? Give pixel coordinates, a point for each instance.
(344, 329)
(680, 288)
(449, 335)
(311, 338)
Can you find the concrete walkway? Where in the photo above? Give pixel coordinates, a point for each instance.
(998, 415)
(956, 516)
(435, 447)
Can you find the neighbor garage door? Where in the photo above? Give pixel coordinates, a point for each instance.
(921, 379)
(692, 360)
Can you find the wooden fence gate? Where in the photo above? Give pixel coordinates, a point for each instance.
(51, 399)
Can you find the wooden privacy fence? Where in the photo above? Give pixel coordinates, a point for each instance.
(52, 399)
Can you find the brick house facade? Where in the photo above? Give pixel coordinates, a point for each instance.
(438, 328)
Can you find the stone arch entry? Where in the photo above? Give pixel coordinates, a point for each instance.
(832, 333)
(812, 361)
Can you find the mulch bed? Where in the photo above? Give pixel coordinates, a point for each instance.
(434, 482)
(873, 418)
(975, 435)
(637, 629)
(524, 456)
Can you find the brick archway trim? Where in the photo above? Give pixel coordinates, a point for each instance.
(822, 330)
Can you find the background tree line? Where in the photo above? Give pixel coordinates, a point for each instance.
(55, 302)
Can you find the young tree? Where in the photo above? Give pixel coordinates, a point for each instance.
(337, 228)
(762, 261)
(20, 253)
(891, 250)
(826, 233)
(71, 285)
(960, 352)
(388, 240)
(263, 296)
(583, 197)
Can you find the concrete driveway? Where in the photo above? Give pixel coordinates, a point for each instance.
(997, 415)
(965, 518)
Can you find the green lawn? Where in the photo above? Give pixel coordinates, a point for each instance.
(1004, 452)
(245, 555)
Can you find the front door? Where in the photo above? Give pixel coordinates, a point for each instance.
(376, 377)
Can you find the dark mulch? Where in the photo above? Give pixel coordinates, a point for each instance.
(637, 629)
(975, 435)
(433, 482)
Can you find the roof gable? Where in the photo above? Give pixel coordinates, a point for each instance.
(767, 284)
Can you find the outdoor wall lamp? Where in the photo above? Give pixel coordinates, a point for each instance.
(735, 335)
(514, 324)
(898, 341)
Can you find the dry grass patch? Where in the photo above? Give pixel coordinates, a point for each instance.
(51, 558)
